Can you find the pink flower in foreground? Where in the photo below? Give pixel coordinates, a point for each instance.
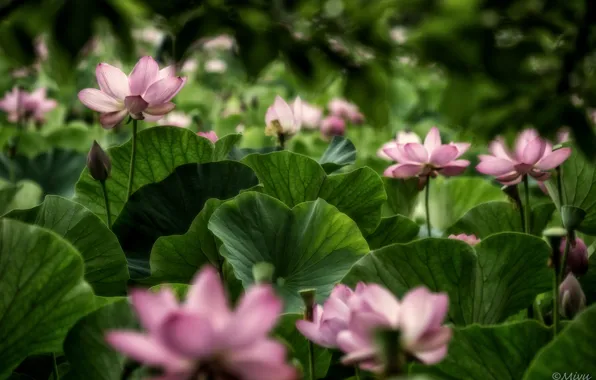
(415, 159)
(329, 319)
(470, 239)
(418, 317)
(209, 135)
(577, 258)
(203, 338)
(402, 137)
(144, 94)
(344, 109)
(281, 119)
(533, 156)
(333, 126)
(311, 115)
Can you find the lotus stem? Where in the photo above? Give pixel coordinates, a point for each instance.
(133, 155)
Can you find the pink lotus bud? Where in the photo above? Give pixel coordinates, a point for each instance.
(333, 126)
(203, 335)
(533, 156)
(573, 299)
(146, 93)
(211, 136)
(577, 258)
(98, 163)
(470, 239)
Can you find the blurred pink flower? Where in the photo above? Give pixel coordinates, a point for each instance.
(402, 138)
(344, 109)
(577, 258)
(221, 42)
(329, 319)
(533, 156)
(144, 94)
(151, 35)
(281, 119)
(216, 66)
(205, 338)
(562, 135)
(333, 126)
(20, 103)
(311, 115)
(190, 66)
(470, 239)
(418, 317)
(573, 299)
(211, 136)
(415, 159)
(177, 119)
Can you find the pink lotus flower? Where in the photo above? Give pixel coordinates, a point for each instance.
(328, 320)
(533, 156)
(20, 103)
(177, 119)
(470, 239)
(577, 258)
(419, 317)
(203, 337)
(311, 115)
(144, 94)
(428, 160)
(346, 110)
(281, 119)
(402, 138)
(209, 135)
(333, 126)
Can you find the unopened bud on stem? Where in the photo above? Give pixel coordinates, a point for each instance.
(99, 163)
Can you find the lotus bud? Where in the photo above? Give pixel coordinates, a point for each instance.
(573, 299)
(263, 272)
(572, 217)
(308, 297)
(577, 258)
(99, 163)
(333, 126)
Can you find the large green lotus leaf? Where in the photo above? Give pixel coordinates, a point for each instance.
(312, 245)
(177, 258)
(486, 284)
(501, 352)
(86, 349)
(55, 171)
(159, 151)
(451, 198)
(588, 281)
(224, 146)
(493, 217)
(571, 352)
(43, 292)
(105, 263)
(402, 195)
(394, 229)
(340, 152)
(294, 178)
(23, 194)
(169, 207)
(579, 188)
(287, 331)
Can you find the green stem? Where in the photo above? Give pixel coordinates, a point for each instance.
(426, 207)
(560, 185)
(55, 367)
(133, 155)
(311, 360)
(106, 202)
(357, 372)
(282, 141)
(527, 208)
(559, 270)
